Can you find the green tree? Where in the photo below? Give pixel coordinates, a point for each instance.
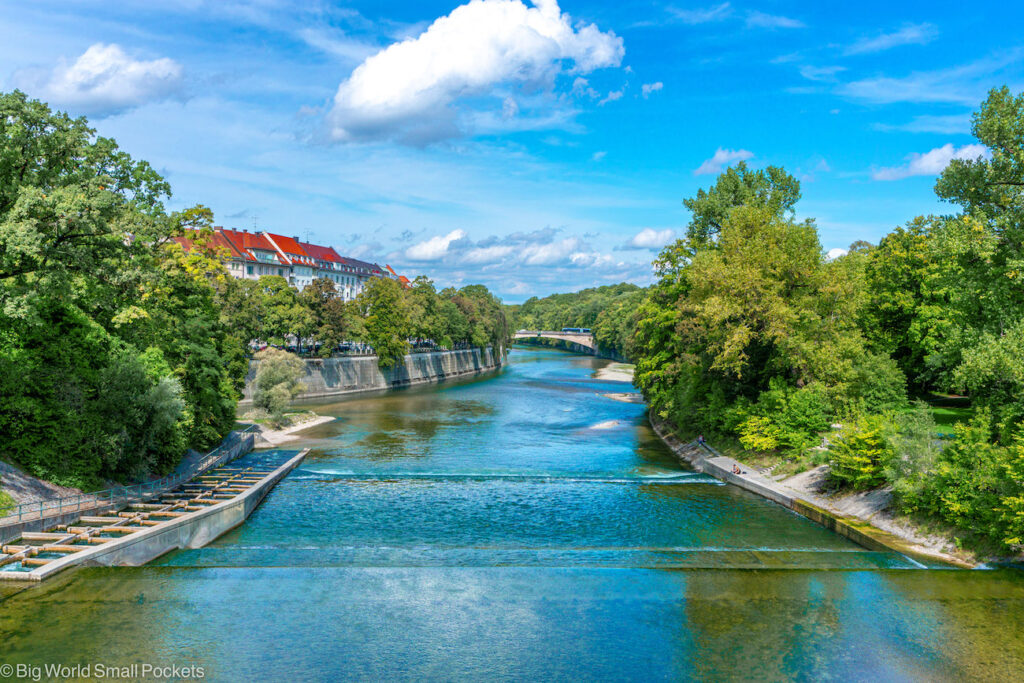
(387, 320)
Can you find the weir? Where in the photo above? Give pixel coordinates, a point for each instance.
(189, 516)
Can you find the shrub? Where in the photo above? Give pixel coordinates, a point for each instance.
(277, 382)
(858, 457)
(916, 451)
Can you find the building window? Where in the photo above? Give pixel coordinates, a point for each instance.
(249, 269)
(280, 271)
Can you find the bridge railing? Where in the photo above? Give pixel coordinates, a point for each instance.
(235, 445)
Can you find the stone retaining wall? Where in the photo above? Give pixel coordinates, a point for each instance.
(330, 377)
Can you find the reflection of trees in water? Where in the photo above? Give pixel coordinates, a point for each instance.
(405, 428)
(748, 625)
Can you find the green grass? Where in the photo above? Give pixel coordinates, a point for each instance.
(6, 502)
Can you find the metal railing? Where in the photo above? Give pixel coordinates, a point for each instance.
(235, 445)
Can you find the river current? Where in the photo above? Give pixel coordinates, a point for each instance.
(520, 526)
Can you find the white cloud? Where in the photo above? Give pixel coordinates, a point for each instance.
(930, 163)
(909, 34)
(613, 96)
(104, 80)
(597, 156)
(821, 73)
(435, 248)
(833, 254)
(407, 90)
(648, 88)
(703, 15)
(483, 255)
(948, 124)
(964, 84)
(649, 238)
(581, 86)
(757, 19)
(721, 159)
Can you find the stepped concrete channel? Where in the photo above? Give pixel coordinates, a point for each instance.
(332, 377)
(189, 516)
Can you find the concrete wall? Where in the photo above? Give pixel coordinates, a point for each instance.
(331, 377)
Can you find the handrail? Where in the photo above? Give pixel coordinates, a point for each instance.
(124, 494)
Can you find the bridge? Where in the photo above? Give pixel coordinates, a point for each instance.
(584, 339)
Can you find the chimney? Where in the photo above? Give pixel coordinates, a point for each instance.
(295, 238)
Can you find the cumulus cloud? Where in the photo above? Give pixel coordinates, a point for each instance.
(930, 163)
(833, 254)
(407, 91)
(649, 238)
(909, 34)
(721, 159)
(434, 248)
(757, 19)
(648, 88)
(104, 80)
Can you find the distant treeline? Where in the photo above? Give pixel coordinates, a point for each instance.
(119, 350)
(607, 311)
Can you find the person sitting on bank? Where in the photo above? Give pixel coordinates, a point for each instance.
(736, 469)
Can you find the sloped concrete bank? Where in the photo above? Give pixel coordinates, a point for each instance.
(707, 460)
(192, 530)
(329, 377)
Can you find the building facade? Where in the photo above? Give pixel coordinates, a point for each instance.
(251, 255)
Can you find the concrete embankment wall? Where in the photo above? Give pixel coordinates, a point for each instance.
(330, 377)
(708, 461)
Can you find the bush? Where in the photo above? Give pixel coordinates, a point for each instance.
(277, 382)
(783, 417)
(858, 457)
(916, 451)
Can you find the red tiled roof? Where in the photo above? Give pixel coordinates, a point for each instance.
(218, 241)
(245, 240)
(290, 247)
(321, 253)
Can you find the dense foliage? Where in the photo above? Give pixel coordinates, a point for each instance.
(751, 332)
(277, 382)
(113, 355)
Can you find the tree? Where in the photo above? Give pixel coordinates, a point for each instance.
(771, 189)
(387, 320)
(277, 382)
(283, 312)
(112, 356)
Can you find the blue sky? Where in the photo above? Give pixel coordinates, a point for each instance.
(533, 147)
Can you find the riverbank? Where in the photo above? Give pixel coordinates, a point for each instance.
(615, 372)
(859, 517)
(276, 437)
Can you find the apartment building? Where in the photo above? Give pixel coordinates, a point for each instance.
(252, 255)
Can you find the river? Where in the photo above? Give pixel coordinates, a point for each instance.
(520, 526)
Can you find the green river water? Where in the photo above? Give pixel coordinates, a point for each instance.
(520, 527)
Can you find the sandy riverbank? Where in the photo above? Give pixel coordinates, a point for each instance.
(615, 372)
(276, 437)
